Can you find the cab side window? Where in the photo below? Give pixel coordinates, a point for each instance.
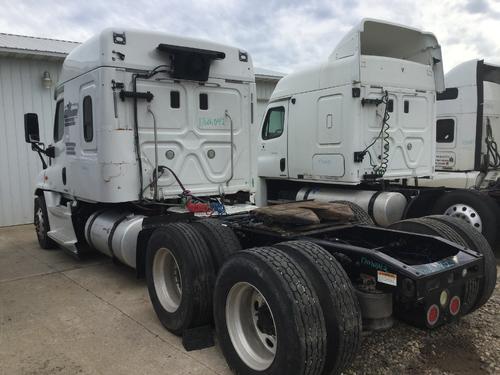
(274, 123)
(59, 121)
(445, 130)
(88, 123)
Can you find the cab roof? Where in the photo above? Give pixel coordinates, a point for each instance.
(467, 73)
(138, 50)
(369, 37)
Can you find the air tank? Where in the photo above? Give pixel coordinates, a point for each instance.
(384, 207)
(114, 233)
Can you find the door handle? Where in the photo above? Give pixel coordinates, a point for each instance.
(282, 164)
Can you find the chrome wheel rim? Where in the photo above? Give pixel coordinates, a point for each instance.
(251, 326)
(167, 279)
(467, 214)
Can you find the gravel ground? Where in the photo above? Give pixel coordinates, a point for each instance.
(469, 346)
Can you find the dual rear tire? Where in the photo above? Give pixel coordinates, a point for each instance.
(287, 309)
(182, 261)
(309, 323)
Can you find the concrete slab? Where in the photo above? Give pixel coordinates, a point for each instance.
(61, 315)
(118, 286)
(17, 264)
(49, 322)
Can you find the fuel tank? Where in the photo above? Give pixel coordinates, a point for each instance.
(114, 233)
(385, 208)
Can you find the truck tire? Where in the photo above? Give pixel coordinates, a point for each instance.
(180, 277)
(337, 299)
(362, 217)
(221, 240)
(42, 226)
(477, 242)
(267, 315)
(424, 225)
(479, 210)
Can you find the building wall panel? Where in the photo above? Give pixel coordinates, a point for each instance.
(21, 91)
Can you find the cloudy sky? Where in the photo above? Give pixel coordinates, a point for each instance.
(280, 35)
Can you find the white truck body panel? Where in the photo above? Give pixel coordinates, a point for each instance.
(325, 124)
(462, 125)
(194, 140)
(458, 151)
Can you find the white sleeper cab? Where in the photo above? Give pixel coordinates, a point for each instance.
(361, 127)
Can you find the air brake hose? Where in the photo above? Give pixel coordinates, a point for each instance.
(492, 153)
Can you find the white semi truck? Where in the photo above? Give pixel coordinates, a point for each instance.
(467, 156)
(156, 159)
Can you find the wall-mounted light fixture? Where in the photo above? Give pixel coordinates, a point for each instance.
(46, 80)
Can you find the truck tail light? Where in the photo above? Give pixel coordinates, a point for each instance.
(455, 304)
(432, 315)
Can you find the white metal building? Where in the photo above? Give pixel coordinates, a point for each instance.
(29, 70)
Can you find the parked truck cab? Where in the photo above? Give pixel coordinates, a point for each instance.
(135, 106)
(363, 116)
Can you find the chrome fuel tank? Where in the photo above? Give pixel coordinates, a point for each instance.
(384, 207)
(114, 233)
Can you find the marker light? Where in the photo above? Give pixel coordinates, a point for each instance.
(433, 315)
(443, 298)
(455, 305)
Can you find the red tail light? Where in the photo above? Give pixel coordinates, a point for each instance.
(455, 305)
(432, 315)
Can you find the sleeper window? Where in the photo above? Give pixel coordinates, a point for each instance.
(88, 123)
(445, 130)
(175, 99)
(274, 123)
(59, 121)
(204, 101)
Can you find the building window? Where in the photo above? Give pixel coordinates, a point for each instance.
(59, 121)
(274, 123)
(204, 101)
(175, 99)
(448, 94)
(445, 130)
(88, 123)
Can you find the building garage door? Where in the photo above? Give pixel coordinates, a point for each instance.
(21, 91)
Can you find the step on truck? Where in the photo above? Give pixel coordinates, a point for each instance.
(156, 161)
(467, 155)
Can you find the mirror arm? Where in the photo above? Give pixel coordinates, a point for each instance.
(36, 147)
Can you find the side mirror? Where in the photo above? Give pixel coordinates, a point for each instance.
(31, 131)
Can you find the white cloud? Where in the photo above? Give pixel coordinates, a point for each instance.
(280, 35)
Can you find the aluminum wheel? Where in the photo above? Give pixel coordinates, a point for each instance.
(251, 326)
(39, 223)
(167, 279)
(467, 214)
